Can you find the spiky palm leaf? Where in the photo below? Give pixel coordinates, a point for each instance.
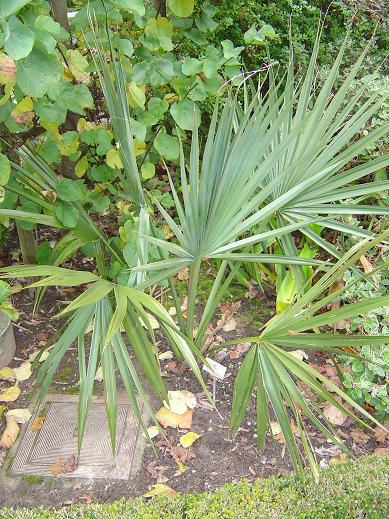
(280, 378)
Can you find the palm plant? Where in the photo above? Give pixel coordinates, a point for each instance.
(282, 379)
(258, 174)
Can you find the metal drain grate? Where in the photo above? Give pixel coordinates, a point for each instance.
(57, 439)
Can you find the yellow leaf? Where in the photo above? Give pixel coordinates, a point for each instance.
(8, 374)
(159, 489)
(83, 125)
(99, 374)
(10, 394)
(81, 167)
(136, 95)
(168, 419)
(152, 431)
(153, 322)
(166, 355)
(139, 147)
(180, 401)
(10, 433)
(20, 415)
(7, 70)
(23, 372)
(171, 98)
(189, 438)
(113, 159)
(298, 354)
(23, 111)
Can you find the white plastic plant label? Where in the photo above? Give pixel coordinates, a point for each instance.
(215, 369)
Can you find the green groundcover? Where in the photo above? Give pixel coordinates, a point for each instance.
(357, 489)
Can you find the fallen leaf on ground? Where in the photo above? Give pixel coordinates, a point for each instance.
(20, 415)
(168, 419)
(166, 355)
(10, 394)
(367, 266)
(7, 374)
(23, 372)
(42, 357)
(183, 274)
(152, 431)
(334, 415)
(298, 354)
(172, 311)
(160, 489)
(381, 435)
(338, 459)
(275, 428)
(157, 471)
(2, 409)
(61, 466)
(189, 438)
(180, 401)
(230, 325)
(38, 423)
(152, 322)
(359, 436)
(382, 450)
(239, 350)
(10, 433)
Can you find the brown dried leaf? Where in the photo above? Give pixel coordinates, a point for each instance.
(334, 415)
(160, 490)
(239, 350)
(183, 274)
(10, 433)
(37, 423)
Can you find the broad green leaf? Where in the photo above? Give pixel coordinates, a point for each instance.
(5, 290)
(135, 6)
(81, 167)
(167, 146)
(38, 72)
(78, 65)
(158, 33)
(68, 143)
(67, 215)
(69, 190)
(147, 170)
(47, 24)
(186, 114)
(5, 169)
(126, 47)
(191, 66)
(51, 112)
(181, 8)
(8, 7)
(18, 38)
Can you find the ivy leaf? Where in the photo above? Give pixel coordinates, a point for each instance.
(69, 190)
(148, 170)
(67, 215)
(135, 6)
(8, 7)
(181, 8)
(18, 38)
(167, 146)
(186, 114)
(5, 169)
(38, 72)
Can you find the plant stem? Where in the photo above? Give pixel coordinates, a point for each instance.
(194, 271)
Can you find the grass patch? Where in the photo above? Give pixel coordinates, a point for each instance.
(348, 490)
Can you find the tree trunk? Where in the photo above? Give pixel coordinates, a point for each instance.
(60, 13)
(160, 6)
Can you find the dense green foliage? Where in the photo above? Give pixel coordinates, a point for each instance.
(351, 490)
(277, 157)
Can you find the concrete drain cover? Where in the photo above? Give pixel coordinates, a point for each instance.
(56, 441)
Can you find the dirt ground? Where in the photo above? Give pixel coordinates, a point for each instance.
(213, 460)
